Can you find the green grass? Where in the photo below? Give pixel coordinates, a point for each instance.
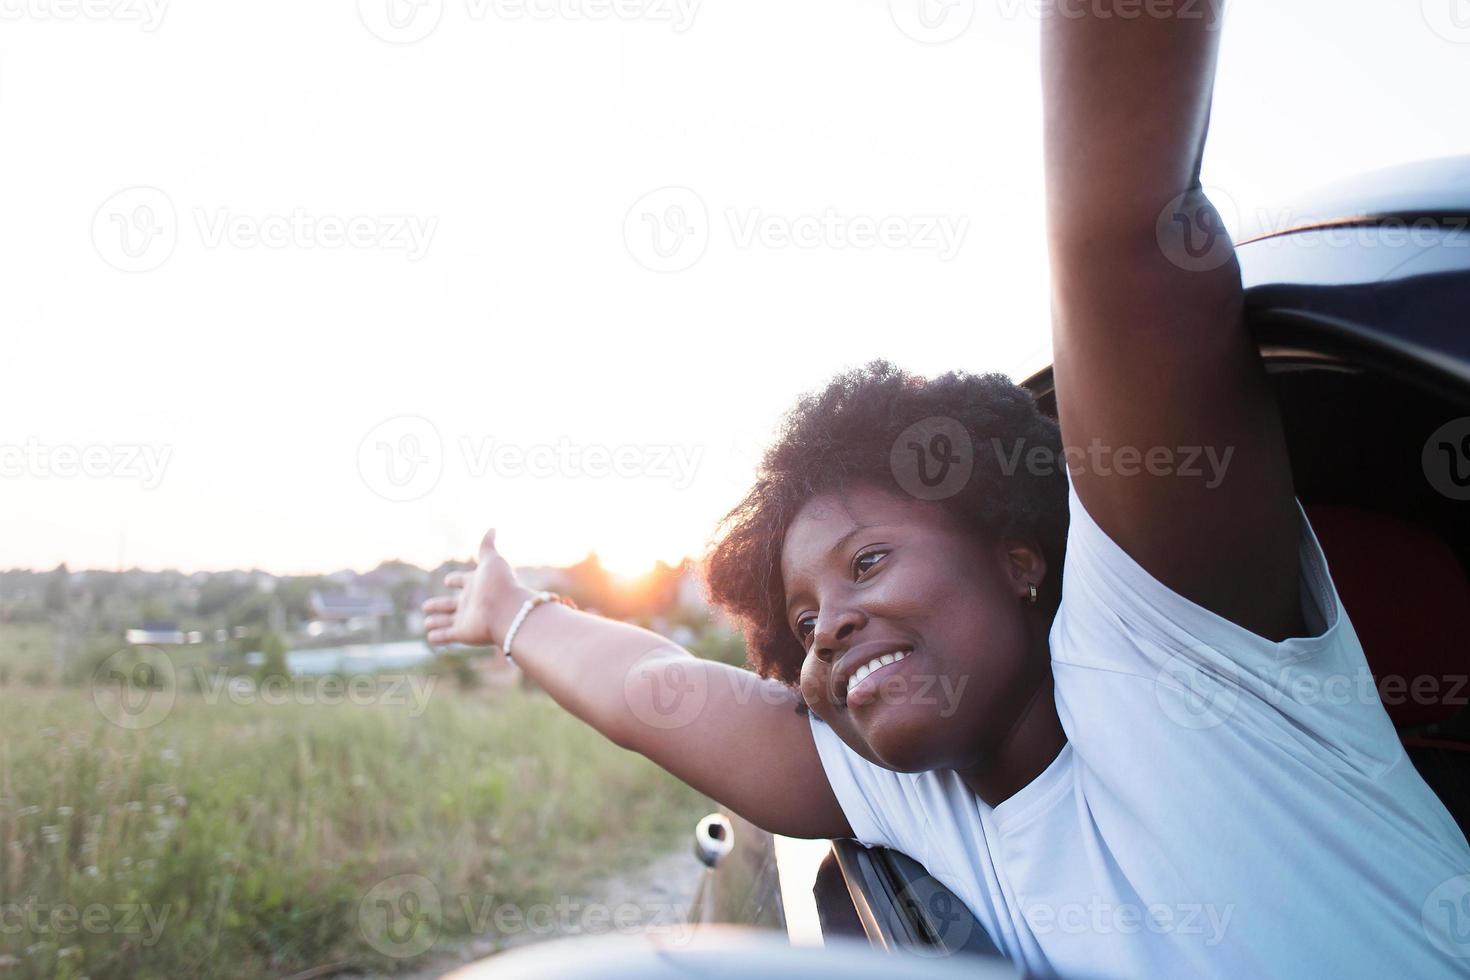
(253, 834)
(26, 652)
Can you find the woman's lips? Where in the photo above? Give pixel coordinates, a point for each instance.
(867, 690)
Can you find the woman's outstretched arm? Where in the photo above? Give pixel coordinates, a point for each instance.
(731, 735)
(1155, 371)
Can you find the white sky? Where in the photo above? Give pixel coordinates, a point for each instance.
(522, 144)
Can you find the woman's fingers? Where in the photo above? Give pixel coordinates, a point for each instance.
(458, 580)
(440, 637)
(441, 604)
(438, 622)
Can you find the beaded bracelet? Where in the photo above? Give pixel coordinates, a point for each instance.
(525, 610)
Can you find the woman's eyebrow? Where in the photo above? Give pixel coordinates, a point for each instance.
(837, 546)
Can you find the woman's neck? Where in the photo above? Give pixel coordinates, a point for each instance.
(1031, 745)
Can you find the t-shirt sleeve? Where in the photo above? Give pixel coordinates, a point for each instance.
(862, 788)
(1135, 661)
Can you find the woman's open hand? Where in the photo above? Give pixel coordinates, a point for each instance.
(481, 603)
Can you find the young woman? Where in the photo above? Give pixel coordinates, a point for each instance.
(1105, 763)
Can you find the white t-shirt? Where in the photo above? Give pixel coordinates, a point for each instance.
(1225, 806)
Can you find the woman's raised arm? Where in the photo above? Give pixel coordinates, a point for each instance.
(1153, 364)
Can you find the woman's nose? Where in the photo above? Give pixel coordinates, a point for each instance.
(834, 633)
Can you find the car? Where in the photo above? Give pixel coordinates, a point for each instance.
(1359, 300)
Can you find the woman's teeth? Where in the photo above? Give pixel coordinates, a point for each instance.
(872, 665)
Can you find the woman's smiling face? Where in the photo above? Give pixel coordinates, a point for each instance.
(878, 581)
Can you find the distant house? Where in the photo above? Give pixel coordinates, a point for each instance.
(334, 613)
(155, 633)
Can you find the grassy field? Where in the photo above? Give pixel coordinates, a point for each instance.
(263, 839)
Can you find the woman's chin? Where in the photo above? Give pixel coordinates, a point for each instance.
(901, 737)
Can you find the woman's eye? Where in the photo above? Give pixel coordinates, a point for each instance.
(806, 625)
(862, 569)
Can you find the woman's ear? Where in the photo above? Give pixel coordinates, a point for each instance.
(1025, 567)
